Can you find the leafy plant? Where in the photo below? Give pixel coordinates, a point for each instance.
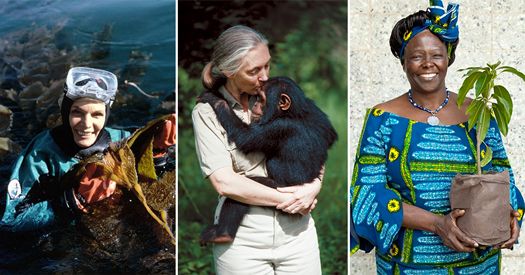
(489, 100)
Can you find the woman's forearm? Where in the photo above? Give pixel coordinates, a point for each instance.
(417, 218)
(240, 188)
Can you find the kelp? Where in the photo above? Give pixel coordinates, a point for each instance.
(130, 164)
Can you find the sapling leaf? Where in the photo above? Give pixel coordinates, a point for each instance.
(468, 83)
(494, 66)
(482, 84)
(473, 111)
(486, 92)
(471, 71)
(504, 112)
(513, 71)
(500, 114)
(483, 123)
(502, 95)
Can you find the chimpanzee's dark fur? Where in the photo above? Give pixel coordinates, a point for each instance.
(295, 143)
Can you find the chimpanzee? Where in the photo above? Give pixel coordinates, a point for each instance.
(292, 133)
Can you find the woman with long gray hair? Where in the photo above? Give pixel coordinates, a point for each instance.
(268, 241)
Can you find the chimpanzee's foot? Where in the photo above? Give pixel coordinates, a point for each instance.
(222, 239)
(210, 236)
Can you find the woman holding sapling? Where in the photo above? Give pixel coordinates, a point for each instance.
(410, 150)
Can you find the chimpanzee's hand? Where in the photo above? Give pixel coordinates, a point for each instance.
(215, 101)
(303, 197)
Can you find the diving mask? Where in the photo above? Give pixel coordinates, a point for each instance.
(93, 83)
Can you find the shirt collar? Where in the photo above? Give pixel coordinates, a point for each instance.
(234, 104)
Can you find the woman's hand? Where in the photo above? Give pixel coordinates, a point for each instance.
(452, 236)
(303, 198)
(514, 231)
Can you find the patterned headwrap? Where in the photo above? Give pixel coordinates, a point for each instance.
(442, 23)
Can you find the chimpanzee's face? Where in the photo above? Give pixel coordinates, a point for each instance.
(257, 109)
(254, 71)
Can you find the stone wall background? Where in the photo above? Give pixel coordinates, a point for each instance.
(490, 30)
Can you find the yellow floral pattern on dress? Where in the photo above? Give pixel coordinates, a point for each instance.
(482, 154)
(520, 211)
(393, 154)
(379, 226)
(394, 250)
(378, 112)
(393, 206)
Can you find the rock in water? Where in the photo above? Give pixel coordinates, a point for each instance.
(136, 67)
(101, 45)
(6, 119)
(7, 146)
(27, 98)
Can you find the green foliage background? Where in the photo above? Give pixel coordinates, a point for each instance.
(308, 43)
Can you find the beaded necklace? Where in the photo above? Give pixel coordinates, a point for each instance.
(432, 119)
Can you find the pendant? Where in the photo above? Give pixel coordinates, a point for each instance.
(433, 120)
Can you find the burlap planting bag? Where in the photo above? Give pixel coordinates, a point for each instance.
(485, 199)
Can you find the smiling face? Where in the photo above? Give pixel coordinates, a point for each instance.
(87, 118)
(253, 72)
(426, 63)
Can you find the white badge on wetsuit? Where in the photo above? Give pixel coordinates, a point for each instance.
(14, 189)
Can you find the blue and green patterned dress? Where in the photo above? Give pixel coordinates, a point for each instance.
(402, 160)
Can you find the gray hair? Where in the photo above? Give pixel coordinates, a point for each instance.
(229, 51)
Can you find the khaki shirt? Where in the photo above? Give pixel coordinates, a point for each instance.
(213, 149)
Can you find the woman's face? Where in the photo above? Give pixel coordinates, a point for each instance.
(87, 117)
(426, 63)
(254, 71)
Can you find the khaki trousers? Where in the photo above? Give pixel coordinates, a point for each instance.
(270, 242)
